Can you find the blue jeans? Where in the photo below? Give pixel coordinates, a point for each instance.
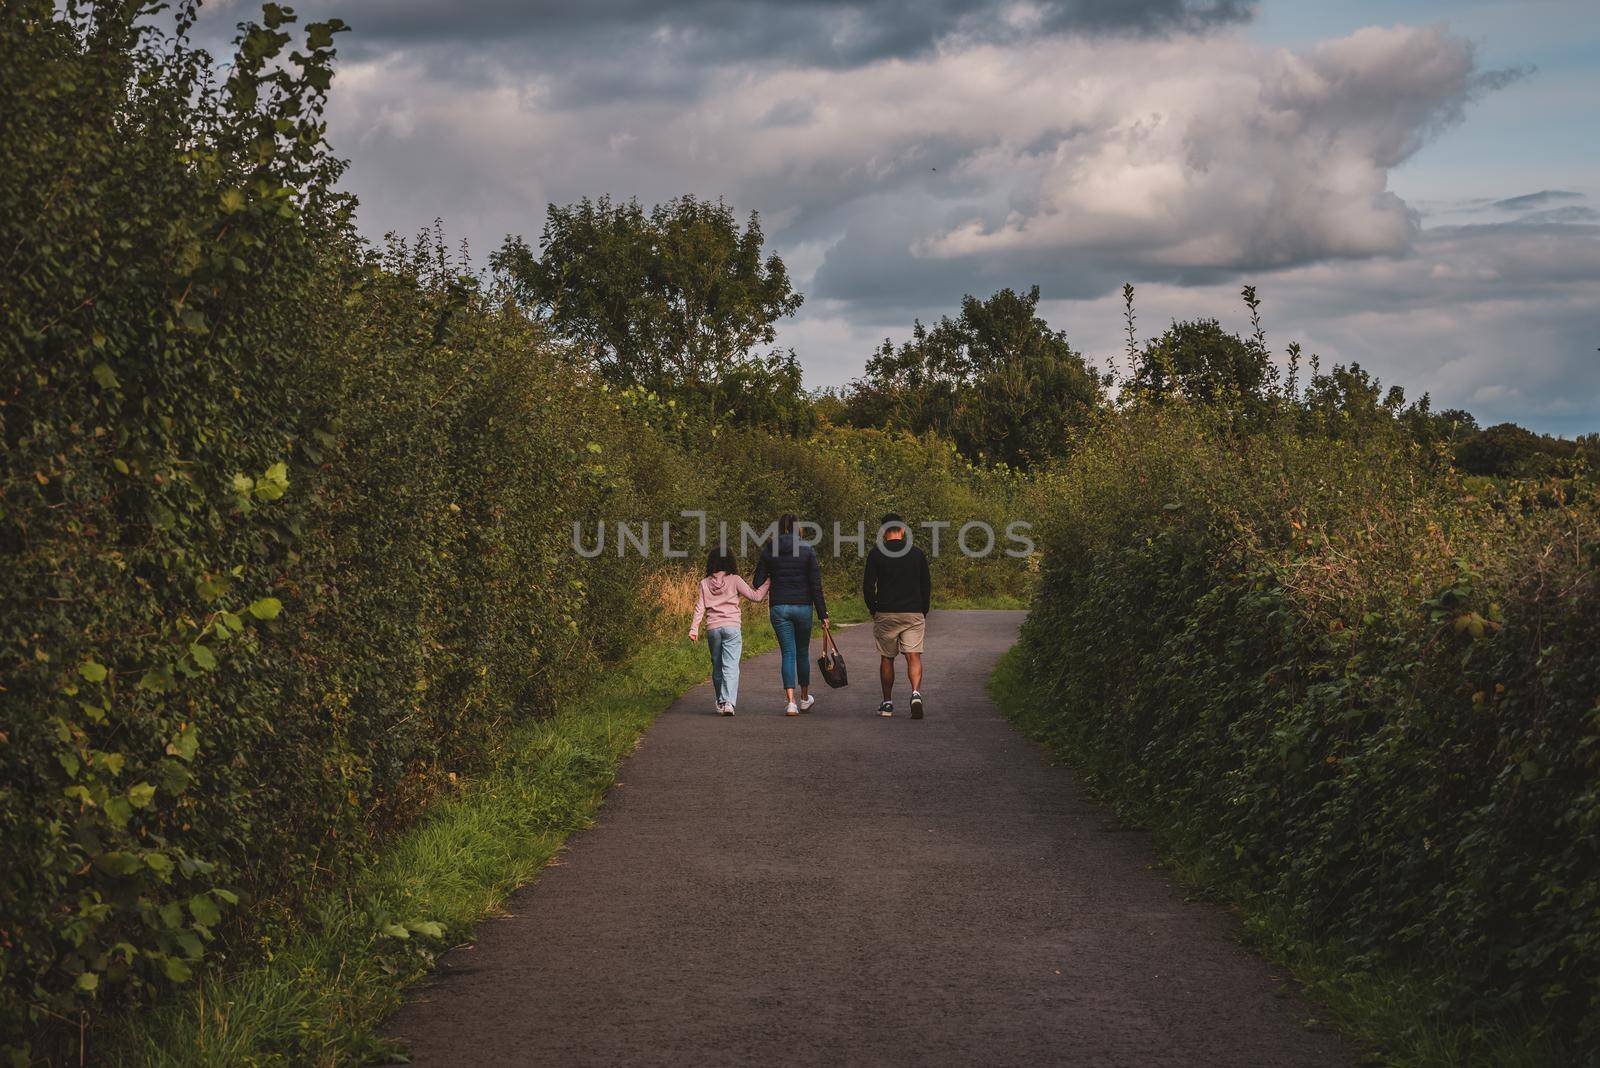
(725, 643)
(792, 624)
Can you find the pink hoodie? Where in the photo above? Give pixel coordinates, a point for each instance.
(718, 603)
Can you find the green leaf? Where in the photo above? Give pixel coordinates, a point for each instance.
(159, 863)
(203, 657)
(118, 811)
(140, 794)
(173, 776)
(211, 588)
(178, 971)
(395, 930)
(171, 915)
(204, 910)
(88, 981)
(227, 896)
(94, 672)
(117, 862)
(104, 375)
(427, 928)
(266, 608)
(185, 744)
(156, 680)
(232, 201)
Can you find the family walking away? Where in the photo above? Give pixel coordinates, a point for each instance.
(896, 586)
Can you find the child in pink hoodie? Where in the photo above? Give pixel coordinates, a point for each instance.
(718, 605)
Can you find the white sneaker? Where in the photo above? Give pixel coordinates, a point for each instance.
(720, 706)
(792, 710)
(805, 706)
(727, 709)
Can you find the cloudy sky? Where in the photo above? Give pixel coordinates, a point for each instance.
(1414, 185)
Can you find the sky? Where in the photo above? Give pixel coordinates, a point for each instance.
(1411, 185)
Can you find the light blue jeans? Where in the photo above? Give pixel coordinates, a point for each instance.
(725, 643)
(792, 624)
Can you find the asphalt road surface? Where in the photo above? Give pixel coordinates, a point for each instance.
(840, 889)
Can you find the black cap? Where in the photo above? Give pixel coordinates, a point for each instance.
(892, 519)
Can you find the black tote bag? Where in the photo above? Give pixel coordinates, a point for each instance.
(831, 662)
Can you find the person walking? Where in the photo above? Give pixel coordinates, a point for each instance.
(898, 590)
(717, 603)
(791, 566)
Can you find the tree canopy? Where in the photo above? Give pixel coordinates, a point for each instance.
(997, 379)
(1205, 363)
(677, 295)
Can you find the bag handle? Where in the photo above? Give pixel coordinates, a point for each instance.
(827, 640)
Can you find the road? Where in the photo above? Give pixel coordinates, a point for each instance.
(840, 889)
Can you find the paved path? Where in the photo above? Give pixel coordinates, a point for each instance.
(841, 889)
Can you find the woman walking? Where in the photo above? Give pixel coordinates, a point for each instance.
(718, 604)
(791, 566)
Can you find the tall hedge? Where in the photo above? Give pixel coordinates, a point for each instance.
(1367, 695)
(285, 520)
(161, 293)
(284, 524)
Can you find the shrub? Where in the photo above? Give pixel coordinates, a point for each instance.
(285, 528)
(1370, 697)
(162, 286)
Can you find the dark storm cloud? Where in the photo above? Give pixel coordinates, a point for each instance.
(830, 33)
(620, 50)
(1541, 199)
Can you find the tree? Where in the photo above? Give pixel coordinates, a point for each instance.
(997, 379)
(1205, 363)
(1430, 428)
(674, 297)
(1510, 451)
(1348, 402)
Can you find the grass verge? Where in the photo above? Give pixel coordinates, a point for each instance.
(319, 998)
(1383, 1010)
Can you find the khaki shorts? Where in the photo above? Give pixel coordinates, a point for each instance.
(899, 632)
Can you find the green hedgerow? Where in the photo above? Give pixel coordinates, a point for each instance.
(1371, 697)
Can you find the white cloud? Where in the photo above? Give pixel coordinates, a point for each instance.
(1186, 164)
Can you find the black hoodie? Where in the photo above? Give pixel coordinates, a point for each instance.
(897, 583)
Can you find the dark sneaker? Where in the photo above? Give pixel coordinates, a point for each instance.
(886, 709)
(916, 705)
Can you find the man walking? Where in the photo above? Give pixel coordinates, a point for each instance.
(897, 589)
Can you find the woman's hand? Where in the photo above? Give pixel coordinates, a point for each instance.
(694, 635)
